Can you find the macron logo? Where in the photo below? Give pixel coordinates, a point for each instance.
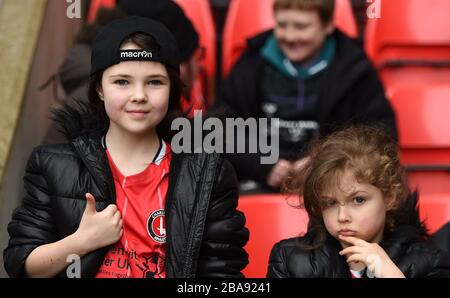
(135, 54)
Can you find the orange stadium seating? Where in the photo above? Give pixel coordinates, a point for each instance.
(423, 122)
(270, 218)
(424, 137)
(96, 5)
(434, 197)
(410, 42)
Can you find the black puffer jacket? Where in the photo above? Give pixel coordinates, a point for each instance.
(406, 246)
(205, 232)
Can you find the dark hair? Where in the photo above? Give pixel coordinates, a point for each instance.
(325, 8)
(146, 42)
(370, 153)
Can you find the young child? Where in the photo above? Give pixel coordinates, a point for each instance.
(310, 76)
(117, 196)
(363, 220)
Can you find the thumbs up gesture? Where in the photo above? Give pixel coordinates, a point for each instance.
(99, 229)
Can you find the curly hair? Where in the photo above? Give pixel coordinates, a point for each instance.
(371, 155)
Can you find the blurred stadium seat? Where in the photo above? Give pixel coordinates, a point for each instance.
(410, 41)
(423, 121)
(424, 136)
(96, 5)
(246, 18)
(435, 209)
(434, 196)
(270, 218)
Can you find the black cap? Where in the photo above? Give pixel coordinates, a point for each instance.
(106, 47)
(170, 14)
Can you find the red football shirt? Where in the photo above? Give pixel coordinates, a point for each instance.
(140, 198)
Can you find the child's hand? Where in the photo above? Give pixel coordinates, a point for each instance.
(279, 173)
(98, 229)
(372, 255)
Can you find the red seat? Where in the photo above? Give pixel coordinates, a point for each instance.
(423, 122)
(96, 5)
(198, 11)
(270, 218)
(410, 34)
(413, 74)
(246, 18)
(434, 196)
(424, 137)
(435, 211)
